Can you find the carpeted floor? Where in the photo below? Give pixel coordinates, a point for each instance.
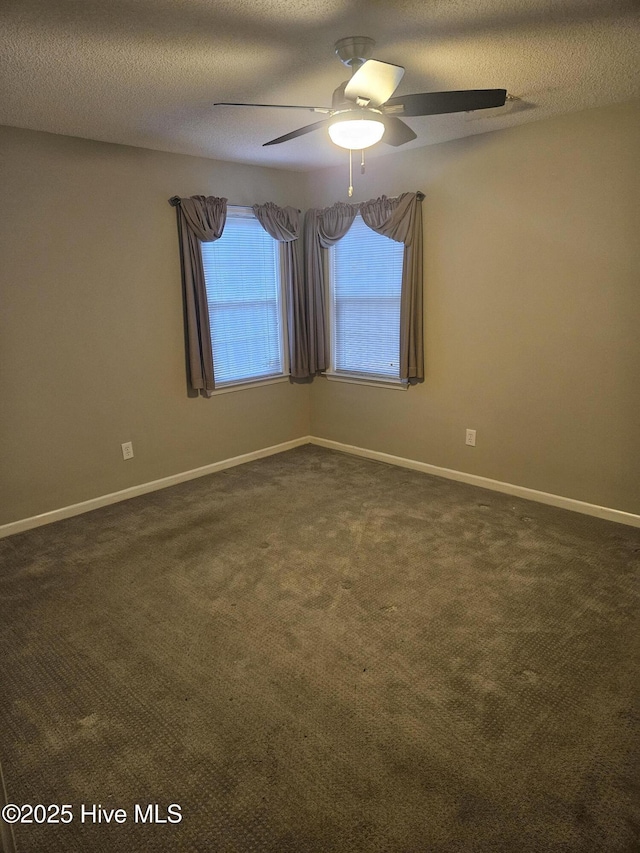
(316, 653)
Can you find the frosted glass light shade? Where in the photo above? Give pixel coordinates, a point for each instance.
(356, 133)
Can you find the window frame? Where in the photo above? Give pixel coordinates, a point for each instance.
(246, 212)
(334, 374)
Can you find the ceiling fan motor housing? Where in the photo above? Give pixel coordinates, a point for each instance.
(338, 100)
(353, 51)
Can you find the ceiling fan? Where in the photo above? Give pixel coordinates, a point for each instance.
(362, 110)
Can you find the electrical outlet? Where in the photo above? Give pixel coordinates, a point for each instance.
(471, 438)
(127, 450)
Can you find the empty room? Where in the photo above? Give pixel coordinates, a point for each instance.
(320, 411)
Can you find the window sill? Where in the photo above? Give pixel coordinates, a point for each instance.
(363, 379)
(249, 383)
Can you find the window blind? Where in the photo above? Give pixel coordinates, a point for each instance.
(366, 280)
(242, 275)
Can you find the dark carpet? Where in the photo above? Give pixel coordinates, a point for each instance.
(316, 653)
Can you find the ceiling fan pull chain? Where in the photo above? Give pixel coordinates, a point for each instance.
(362, 162)
(350, 174)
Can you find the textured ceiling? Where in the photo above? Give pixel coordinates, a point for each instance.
(147, 72)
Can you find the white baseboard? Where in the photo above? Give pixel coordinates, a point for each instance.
(485, 483)
(450, 474)
(144, 488)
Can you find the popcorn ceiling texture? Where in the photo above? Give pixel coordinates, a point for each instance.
(146, 72)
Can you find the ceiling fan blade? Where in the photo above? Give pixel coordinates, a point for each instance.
(396, 131)
(299, 132)
(275, 106)
(374, 82)
(437, 103)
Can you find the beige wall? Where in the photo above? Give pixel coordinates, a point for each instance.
(532, 309)
(91, 333)
(532, 313)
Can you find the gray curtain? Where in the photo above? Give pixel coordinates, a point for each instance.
(398, 218)
(401, 219)
(283, 224)
(200, 218)
(322, 229)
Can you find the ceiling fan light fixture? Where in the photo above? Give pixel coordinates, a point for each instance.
(356, 130)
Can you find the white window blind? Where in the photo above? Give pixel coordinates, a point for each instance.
(366, 279)
(244, 294)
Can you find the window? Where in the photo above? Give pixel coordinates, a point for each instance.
(365, 275)
(245, 298)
